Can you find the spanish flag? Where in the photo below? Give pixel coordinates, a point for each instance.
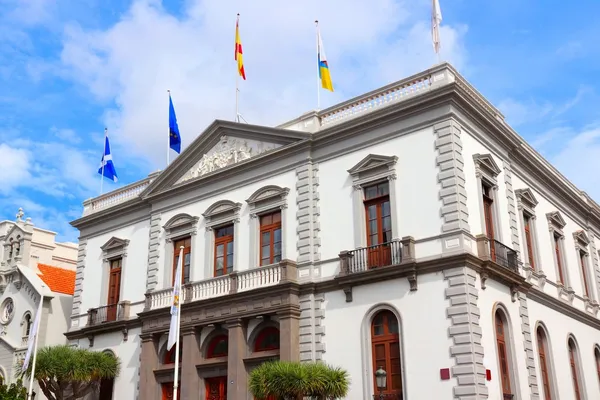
(238, 49)
(323, 66)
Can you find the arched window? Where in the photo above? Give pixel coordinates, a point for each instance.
(503, 354)
(385, 346)
(217, 347)
(169, 357)
(542, 342)
(574, 369)
(267, 339)
(597, 357)
(26, 324)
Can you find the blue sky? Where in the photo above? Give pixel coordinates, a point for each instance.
(68, 69)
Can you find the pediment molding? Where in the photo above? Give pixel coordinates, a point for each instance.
(267, 194)
(180, 225)
(221, 212)
(581, 238)
(192, 155)
(485, 163)
(114, 243)
(372, 163)
(555, 219)
(526, 197)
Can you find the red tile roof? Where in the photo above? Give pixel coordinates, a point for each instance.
(59, 280)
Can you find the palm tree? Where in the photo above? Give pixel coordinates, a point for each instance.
(286, 380)
(69, 373)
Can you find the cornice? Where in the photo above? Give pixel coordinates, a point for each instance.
(563, 308)
(495, 133)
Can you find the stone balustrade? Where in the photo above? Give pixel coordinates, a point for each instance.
(236, 282)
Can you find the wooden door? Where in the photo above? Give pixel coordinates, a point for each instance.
(379, 232)
(489, 224)
(167, 391)
(106, 389)
(574, 371)
(503, 356)
(216, 388)
(114, 290)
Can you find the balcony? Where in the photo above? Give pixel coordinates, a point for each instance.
(371, 264)
(109, 313)
(366, 258)
(236, 282)
(499, 253)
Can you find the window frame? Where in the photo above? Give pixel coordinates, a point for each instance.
(224, 241)
(114, 249)
(486, 173)
(271, 229)
(213, 343)
(27, 324)
(176, 247)
(582, 249)
(556, 224)
(597, 361)
(220, 214)
(178, 227)
(526, 204)
(373, 169)
(262, 334)
(263, 201)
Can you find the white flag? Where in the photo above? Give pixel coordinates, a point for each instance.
(436, 20)
(175, 307)
(32, 334)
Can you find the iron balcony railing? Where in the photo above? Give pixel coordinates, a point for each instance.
(109, 313)
(366, 258)
(504, 255)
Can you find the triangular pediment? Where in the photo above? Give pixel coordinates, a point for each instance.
(555, 218)
(526, 196)
(582, 237)
(222, 146)
(15, 232)
(114, 243)
(486, 162)
(372, 162)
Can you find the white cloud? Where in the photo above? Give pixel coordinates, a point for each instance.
(16, 164)
(579, 157)
(148, 51)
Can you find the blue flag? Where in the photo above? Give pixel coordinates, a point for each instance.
(174, 136)
(107, 168)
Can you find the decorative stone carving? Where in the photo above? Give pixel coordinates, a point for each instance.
(227, 152)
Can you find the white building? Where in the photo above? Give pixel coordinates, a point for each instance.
(32, 264)
(409, 228)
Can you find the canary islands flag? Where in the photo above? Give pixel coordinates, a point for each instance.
(323, 65)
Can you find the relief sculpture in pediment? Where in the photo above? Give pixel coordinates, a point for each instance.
(229, 151)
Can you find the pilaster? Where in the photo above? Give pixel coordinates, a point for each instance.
(451, 176)
(153, 253)
(289, 332)
(237, 376)
(149, 388)
(190, 380)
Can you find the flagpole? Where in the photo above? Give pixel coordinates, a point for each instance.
(103, 161)
(237, 75)
(169, 135)
(318, 69)
(176, 377)
(35, 345)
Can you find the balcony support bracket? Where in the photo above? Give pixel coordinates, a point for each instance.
(348, 293)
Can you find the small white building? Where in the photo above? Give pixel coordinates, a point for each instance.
(32, 265)
(410, 228)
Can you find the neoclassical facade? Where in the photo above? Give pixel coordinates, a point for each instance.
(409, 229)
(32, 265)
